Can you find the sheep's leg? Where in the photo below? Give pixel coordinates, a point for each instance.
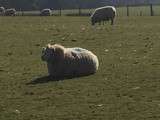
(112, 21)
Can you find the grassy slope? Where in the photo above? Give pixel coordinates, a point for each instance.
(126, 87)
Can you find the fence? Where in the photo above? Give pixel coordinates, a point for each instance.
(139, 10)
(129, 10)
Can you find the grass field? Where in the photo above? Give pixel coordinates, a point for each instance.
(126, 86)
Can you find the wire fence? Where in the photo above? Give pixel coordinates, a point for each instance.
(128, 10)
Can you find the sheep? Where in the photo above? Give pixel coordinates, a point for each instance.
(102, 14)
(2, 10)
(46, 12)
(69, 62)
(10, 12)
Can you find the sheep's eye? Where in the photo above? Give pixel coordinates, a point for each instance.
(43, 49)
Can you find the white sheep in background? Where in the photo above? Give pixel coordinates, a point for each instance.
(2, 10)
(69, 62)
(46, 12)
(102, 14)
(10, 12)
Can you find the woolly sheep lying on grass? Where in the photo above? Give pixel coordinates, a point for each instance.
(46, 12)
(10, 12)
(102, 14)
(69, 62)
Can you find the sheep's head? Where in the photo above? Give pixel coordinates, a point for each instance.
(93, 23)
(92, 20)
(53, 53)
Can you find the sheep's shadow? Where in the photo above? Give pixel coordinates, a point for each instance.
(46, 79)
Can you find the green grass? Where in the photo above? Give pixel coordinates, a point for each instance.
(126, 86)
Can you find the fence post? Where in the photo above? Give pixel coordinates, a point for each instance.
(151, 8)
(140, 13)
(127, 10)
(22, 13)
(60, 11)
(79, 11)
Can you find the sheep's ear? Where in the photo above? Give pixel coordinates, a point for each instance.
(49, 45)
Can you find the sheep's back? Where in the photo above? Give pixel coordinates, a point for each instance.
(108, 11)
(83, 61)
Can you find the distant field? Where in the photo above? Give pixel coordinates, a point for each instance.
(121, 11)
(126, 86)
